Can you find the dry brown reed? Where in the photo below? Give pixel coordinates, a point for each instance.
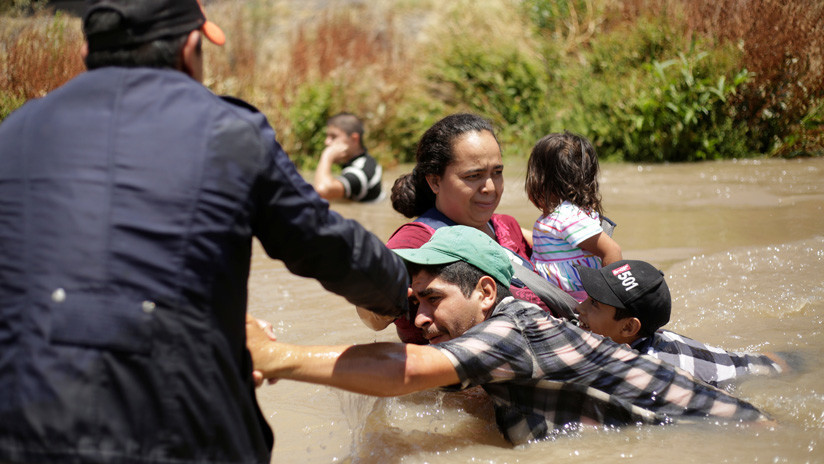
(40, 55)
(782, 44)
(365, 54)
(355, 50)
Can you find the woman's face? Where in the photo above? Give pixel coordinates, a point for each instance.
(471, 186)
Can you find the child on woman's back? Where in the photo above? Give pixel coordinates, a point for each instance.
(562, 181)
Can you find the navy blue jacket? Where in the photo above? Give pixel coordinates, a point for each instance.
(129, 199)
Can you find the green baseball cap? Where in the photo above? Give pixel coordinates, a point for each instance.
(462, 243)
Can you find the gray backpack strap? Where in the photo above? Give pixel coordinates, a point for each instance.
(559, 301)
(608, 225)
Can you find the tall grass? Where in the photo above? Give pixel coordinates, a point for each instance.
(646, 80)
(349, 58)
(782, 46)
(37, 55)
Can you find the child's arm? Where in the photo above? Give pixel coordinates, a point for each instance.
(527, 233)
(602, 246)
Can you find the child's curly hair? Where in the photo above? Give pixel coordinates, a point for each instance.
(563, 167)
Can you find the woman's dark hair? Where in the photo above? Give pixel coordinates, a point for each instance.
(411, 195)
(460, 273)
(563, 167)
(160, 53)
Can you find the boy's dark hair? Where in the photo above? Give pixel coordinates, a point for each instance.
(563, 167)
(623, 313)
(164, 52)
(347, 122)
(460, 273)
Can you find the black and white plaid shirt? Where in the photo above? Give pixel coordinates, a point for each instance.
(708, 363)
(546, 375)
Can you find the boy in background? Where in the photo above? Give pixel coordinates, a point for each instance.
(360, 178)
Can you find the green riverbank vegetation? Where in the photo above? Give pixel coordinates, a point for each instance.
(645, 80)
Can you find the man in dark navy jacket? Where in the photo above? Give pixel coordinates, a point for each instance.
(129, 199)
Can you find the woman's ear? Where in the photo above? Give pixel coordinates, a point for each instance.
(434, 182)
(488, 289)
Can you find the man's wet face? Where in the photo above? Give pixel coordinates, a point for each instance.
(443, 312)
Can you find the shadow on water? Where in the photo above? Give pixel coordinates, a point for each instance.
(742, 244)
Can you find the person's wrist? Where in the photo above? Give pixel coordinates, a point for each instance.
(270, 359)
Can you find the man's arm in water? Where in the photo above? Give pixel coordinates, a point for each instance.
(378, 369)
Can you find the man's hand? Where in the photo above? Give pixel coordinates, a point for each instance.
(259, 335)
(782, 363)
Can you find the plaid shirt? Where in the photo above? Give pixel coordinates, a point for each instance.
(708, 363)
(545, 375)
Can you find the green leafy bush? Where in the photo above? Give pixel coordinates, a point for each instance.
(307, 115)
(550, 15)
(621, 73)
(395, 140)
(806, 138)
(680, 117)
(625, 50)
(9, 102)
(504, 85)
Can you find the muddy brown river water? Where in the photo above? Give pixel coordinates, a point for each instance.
(742, 245)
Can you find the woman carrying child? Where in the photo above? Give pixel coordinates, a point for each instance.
(458, 180)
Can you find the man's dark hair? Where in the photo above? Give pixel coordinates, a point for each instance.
(161, 53)
(460, 273)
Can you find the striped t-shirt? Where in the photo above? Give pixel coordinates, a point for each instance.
(555, 251)
(361, 179)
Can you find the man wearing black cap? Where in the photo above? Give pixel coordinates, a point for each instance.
(129, 200)
(629, 301)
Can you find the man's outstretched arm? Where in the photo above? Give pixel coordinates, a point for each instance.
(378, 369)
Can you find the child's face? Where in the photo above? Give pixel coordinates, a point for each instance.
(337, 135)
(599, 318)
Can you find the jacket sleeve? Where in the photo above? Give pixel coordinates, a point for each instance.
(294, 224)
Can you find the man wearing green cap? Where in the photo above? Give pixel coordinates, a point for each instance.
(543, 374)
